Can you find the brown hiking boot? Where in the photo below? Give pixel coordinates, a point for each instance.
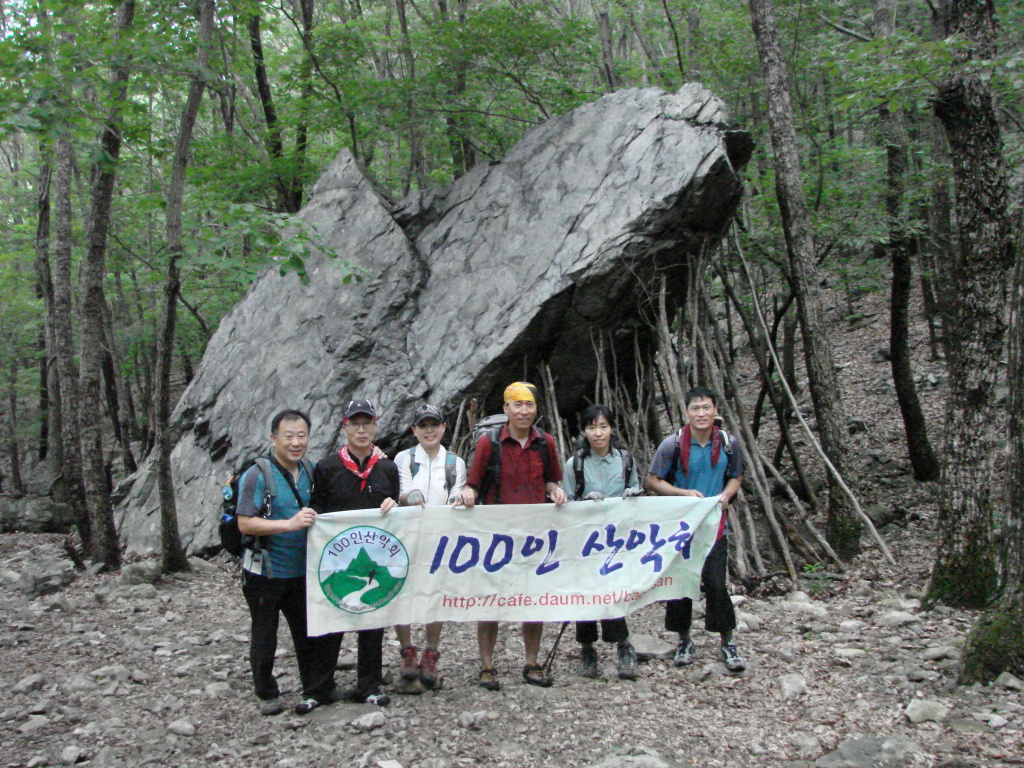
(489, 679)
(428, 667)
(410, 669)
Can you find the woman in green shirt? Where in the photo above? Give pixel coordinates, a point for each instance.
(600, 469)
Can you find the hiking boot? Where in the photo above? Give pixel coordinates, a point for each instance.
(374, 695)
(627, 661)
(270, 707)
(731, 657)
(588, 661)
(488, 679)
(428, 667)
(684, 653)
(410, 668)
(534, 674)
(377, 697)
(306, 706)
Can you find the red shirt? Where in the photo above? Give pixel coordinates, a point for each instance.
(523, 474)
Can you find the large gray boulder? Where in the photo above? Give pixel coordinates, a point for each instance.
(34, 514)
(518, 260)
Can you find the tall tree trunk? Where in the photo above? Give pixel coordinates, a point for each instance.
(844, 527)
(459, 144)
(939, 239)
(417, 161)
(996, 643)
(44, 291)
(974, 316)
(789, 345)
(275, 145)
(901, 248)
(608, 70)
(173, 554)
(12, 427)
(901, 253)
(124, 411)
(91, 274)
(297, 171)
(44, 397)
(64, 343)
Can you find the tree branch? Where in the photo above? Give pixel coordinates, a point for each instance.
(845, 31)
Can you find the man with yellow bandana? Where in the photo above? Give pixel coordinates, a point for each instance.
(528, 472)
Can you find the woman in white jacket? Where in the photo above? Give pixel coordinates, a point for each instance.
(427, 474)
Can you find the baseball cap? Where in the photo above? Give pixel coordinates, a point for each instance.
(355, 407)
(427, 411)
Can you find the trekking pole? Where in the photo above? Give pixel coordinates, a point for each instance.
(554, 648)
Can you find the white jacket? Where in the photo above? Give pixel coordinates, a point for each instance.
(430, 475)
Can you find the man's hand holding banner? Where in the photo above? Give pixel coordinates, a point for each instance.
(534, 562)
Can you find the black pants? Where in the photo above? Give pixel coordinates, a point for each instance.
(369, 659)
(720, 615)
(317, 657)
(612, 631)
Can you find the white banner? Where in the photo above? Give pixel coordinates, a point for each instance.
(529, 562)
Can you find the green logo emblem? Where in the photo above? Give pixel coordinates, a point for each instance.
(363, 568)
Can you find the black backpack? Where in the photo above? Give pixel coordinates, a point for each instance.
(231, 538)
(577, 468)
(492, 476)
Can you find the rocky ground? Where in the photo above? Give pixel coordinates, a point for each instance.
(848, 672)
(109, 669)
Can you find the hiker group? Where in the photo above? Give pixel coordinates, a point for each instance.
(276, 498)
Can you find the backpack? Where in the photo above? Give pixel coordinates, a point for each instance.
(232, 539)
(577, 468)
(492, 475)
(449, 469)
(728, 444)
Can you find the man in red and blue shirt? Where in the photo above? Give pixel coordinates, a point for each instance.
(702, 461)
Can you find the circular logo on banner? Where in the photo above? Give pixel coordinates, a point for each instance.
(363, 568)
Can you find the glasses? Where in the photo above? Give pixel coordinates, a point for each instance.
(361, 426)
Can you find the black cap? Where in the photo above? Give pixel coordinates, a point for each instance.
(427, 411)
(355, 407)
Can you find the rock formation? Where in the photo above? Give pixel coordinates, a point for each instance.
(517, 260)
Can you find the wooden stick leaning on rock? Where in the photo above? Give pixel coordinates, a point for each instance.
(757, 480)
(754, 449)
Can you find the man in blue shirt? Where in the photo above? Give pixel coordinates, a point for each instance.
(702, 460)
(274, 574)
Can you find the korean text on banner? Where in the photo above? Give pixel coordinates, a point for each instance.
(530, 562)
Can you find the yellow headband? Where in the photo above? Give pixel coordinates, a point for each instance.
(519, 391)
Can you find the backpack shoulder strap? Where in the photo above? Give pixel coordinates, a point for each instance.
(263, 462)
(577, 471)
(492, 475)
(627, 466)
(308, 466)
(728, 441)
(414, 466)
(677, 439)
(545, 453)
(449, 471)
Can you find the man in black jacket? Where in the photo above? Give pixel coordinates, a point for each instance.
(359, 476)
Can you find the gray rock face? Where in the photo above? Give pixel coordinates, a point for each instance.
(515, 263)
(145, 572)
(34, 514)
(46, 575)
